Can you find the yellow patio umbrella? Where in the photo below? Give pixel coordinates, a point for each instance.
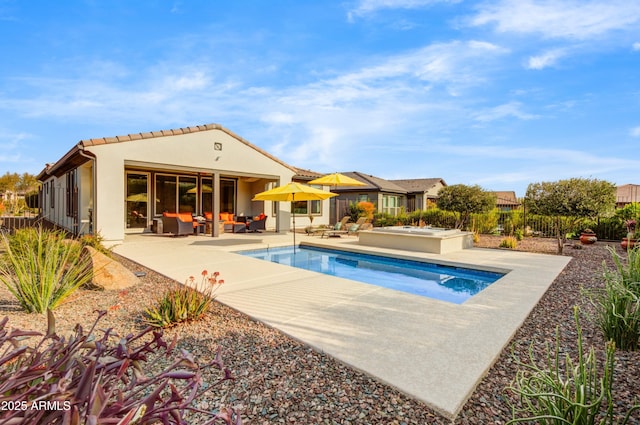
(335, 180)
(293, 192)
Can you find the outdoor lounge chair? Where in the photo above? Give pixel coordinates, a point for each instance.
(258, 224)
(338, 229)
(177, 224)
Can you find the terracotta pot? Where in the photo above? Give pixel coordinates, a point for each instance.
(588, 238)
(627, 243)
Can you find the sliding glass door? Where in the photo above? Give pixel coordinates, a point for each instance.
(137, 200)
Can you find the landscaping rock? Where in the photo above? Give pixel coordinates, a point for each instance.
(109, 274)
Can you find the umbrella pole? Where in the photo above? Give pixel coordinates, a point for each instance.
(293, 211)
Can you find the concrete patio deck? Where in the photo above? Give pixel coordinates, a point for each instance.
(431, 350)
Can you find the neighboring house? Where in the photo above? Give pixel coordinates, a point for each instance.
(506, 201)
(387, 196)
(420, 192)
(117, 185)
(627, 194)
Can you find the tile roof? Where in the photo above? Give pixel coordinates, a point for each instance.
(506, 198)
(73, 152)
(303, 174)
(372, 183)
(418, 185)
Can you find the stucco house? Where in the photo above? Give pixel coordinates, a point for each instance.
(119, 185)
(421, 192)
(626, 194)
(387, 196)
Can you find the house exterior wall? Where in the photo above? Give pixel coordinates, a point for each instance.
(187, 152)
(54, 203)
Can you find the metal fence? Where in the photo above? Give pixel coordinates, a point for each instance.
(509, 222)
(11, 223)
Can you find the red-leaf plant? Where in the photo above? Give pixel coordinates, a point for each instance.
(89, 380)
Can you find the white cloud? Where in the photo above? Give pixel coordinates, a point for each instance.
(511, 109)
(635, 132)
(565, 19)
(636, 46)
(365, 7)
(545, 60)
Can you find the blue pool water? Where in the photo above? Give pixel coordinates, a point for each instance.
(446, 283)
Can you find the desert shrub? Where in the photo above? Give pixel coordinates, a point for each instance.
(617, 305)
(566, 391)
(518, 234)
(90, 379)
(183, 302)
(509, 242)
(96, 242)
(41, 268)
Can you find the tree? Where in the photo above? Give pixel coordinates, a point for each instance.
(16, 186)
(570, 201)
(465, 200)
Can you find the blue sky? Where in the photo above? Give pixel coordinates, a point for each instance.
(496, 93)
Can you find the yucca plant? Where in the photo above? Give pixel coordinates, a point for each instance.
(183, 302)
(566, 391)
(41, 268)
(617, 305)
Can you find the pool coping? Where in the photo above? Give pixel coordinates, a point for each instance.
(431, 350)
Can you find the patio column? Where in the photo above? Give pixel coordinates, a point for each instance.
(215, 227)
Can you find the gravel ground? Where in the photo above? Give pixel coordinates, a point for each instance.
(279, 380)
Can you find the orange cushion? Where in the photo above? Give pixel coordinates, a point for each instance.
(186, 217)
(262, 216)
(208, 216)
(225, 216)
(168, 214)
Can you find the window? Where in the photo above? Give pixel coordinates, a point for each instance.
(207, 194)
(391, 204)
(300, 207)
(52, 194)
(71, 191)
(137, 200)
(228, 195)
(187, 194)
(166, 197)
(176, 194)
(308, 207)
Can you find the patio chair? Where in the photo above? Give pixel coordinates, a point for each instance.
(176, 224)
(338, 229)
(258, 224)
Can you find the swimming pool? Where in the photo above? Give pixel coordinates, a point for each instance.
(446, 283)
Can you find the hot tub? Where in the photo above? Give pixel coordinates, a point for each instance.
(421, 239)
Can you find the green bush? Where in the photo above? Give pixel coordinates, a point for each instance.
(618, 303)
(102, 379)
(566, 392)
(41, 268)
(183, 302)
